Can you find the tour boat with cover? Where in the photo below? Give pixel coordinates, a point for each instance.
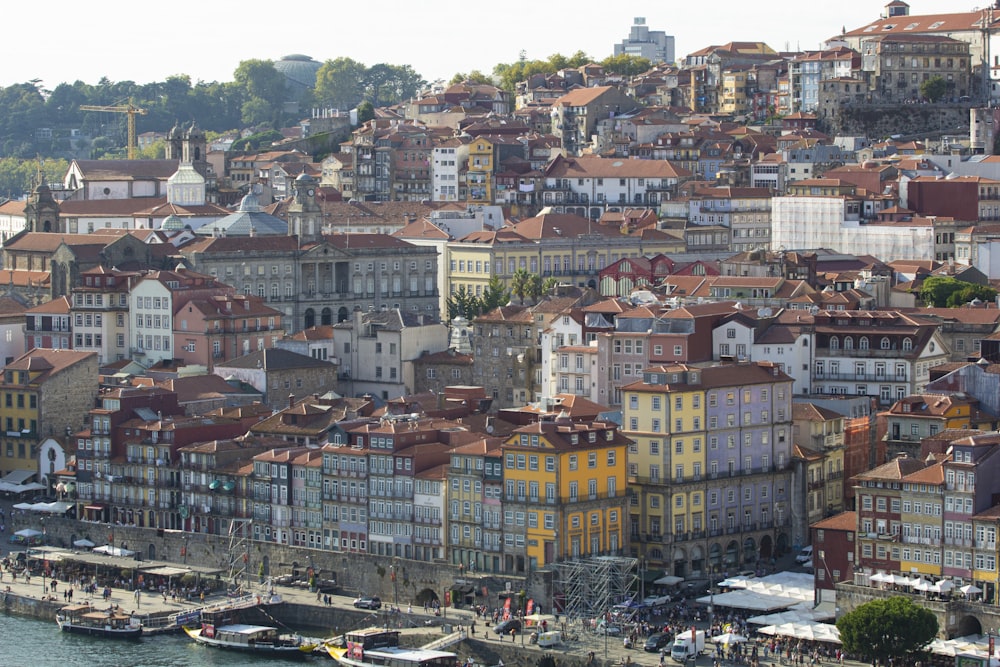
(84, 619)
(263, 639)
(374, 646)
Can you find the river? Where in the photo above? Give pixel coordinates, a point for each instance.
(34, 643)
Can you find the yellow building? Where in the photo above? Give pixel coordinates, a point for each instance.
(565, 246)
(564, 492)
(734, 92)
(45, 394)
(984, 561)
(480, 173)
(921, 520)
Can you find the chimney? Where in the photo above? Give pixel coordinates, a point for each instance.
(291, 400)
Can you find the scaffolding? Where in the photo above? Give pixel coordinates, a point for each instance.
(589, 587)
(239, 554)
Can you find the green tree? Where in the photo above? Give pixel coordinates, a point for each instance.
(625, 64)
(263, 89)
(550, 284)
(887, 628)
(933, 88)
(475, 76)
(340, 83)
(519, 284)
(496, 294)
(366, 111)
(463, 303)
(948, 292)
(535, 288)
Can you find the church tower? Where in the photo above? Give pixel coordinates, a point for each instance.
(41, 212)
(305, 217)
(174, 145)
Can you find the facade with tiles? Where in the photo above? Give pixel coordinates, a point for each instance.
(710, 470)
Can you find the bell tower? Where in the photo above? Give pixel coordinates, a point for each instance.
(41, 212)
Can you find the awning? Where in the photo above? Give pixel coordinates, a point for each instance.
(18, 477)
(668, 580)
(166, 571)
(95, 508)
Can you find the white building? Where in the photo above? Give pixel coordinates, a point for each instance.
(376, 350)
(448, 159)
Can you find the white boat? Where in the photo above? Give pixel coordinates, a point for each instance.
(374, 646)
(84, 619)
(262, 639)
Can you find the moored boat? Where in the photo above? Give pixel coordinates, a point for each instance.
(374, 646)
(262, 639)
(84, 619)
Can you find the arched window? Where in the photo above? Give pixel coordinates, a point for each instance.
(834, 343)
(907, 345)
(884, 343)
(863, 343)
(848, 343)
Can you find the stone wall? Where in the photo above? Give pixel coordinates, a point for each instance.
(356, 574)
(884, 120)
(956, 617)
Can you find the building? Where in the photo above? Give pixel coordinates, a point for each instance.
(564, 492)
(46, 393)
(833, 541)
(282, 376)
(376, 350)
(915, 417)
(656, 46)
(710, 469)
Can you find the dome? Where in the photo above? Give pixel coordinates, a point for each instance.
(249, 203)
(299, 72)
(172, 223)
(186, 175)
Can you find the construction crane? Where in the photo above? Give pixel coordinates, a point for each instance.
(132, 111)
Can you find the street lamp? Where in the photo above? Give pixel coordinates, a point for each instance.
(395, 586)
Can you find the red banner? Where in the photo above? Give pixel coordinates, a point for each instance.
(530, 609)
(506, 609)
(694, 637)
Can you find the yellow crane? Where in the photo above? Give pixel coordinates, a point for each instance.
(132, 111)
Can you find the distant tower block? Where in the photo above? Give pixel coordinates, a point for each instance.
(654, 45)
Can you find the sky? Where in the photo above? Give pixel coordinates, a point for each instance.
(128, 41)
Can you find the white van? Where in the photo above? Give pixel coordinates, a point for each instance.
(804, 556)
(550, 638)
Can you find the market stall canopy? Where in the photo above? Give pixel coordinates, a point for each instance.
(28, 532)
(84, 543)
(7, 487)
(668, 580)
(727, 638)
(109, 550)
(166, 571)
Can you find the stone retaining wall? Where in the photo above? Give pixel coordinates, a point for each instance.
(356, 574)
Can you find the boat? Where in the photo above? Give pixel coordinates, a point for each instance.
(374, 646)
(263, 639)
(84, 619)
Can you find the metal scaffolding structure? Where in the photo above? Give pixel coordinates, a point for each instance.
(591, 586)
(238, 554)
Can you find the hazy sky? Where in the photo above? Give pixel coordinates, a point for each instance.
(59, 41)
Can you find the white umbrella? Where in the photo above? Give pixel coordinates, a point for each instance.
(729, 638)
(970, 589)
(23, 506)
(943, 586)
(28, 532)
(84, 543)
(878, 576)
(921, 585)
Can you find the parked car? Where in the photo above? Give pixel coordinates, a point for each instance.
(504, 627)
(805, 555)
(368, 603)
(609, 630)
(656, 641)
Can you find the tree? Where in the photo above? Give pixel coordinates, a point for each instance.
(463, 304)
(887, 628)
(340, 83)
(519, 284)
(263, 89)
(626, 64)
(534, 289)
(933, 88)
(948, 292)
(496, 294)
